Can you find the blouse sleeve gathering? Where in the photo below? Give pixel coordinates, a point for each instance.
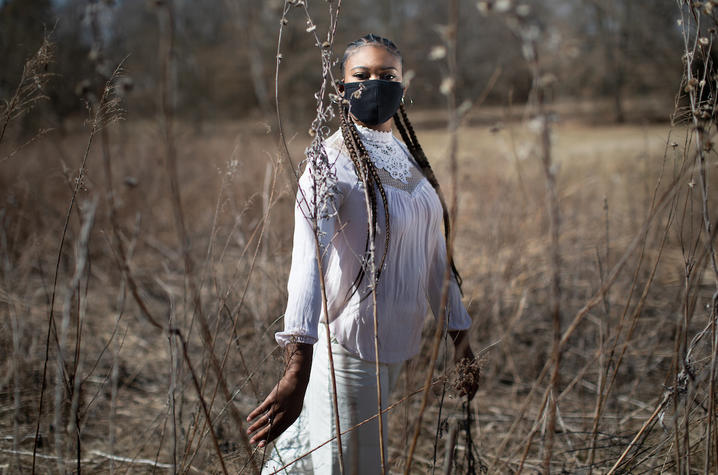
(304, 302)
(458, 317)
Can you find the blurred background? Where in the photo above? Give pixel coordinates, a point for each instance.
(616, 56)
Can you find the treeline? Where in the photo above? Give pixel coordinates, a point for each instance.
(225, 50)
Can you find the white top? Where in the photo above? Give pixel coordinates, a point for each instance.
(413, 272)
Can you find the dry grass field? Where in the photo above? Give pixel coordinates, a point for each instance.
(127, 399)
(144, 253)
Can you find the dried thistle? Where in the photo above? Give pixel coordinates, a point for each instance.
(465, 375)
(109, 107)
(31, 88)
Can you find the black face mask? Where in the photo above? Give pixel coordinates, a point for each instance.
(375, 101)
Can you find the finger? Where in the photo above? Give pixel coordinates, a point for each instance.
(276, 428)
(259, 423)
(269, 430)
(260, 436)
(261, 409)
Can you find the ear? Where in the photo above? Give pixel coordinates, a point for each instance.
(406, 88)
(340, 87)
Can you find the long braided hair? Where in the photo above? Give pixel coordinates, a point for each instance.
(412, 143)
(366, 170)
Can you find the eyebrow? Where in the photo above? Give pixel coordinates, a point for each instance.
(383, 68)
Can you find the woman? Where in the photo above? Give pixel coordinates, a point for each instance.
(410, 263)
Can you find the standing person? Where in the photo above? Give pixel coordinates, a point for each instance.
(410, 256)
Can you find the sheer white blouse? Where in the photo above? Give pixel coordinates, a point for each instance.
(413, 271)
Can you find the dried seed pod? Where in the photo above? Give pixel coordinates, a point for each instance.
(691, 85)
(503, 6)
(437, 52)
(447, 85)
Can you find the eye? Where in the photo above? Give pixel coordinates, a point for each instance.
(360, 76)
(388, 76)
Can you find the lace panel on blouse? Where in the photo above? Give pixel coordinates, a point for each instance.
(389, 156)
(409, 185)
(392, 162)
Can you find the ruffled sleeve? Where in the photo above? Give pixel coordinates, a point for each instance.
(459, 318)
(304, 302)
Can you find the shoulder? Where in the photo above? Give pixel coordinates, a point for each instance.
(335, 142)
(339, 171)
(336, 150)
(338, 156)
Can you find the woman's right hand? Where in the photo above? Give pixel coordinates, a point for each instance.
(284, 403)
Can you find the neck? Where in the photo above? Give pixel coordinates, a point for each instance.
(383, 127)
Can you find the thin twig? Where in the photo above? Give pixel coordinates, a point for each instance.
(453, 129)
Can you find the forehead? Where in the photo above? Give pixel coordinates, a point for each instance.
(372, 56)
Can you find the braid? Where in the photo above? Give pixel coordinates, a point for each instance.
(366, 172)
(401, 119)
(371, 168)
(359, 169)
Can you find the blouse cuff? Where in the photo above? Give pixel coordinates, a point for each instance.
(296, 336)
(462, 321)
(459, 318)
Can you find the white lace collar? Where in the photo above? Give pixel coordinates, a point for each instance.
(374, 135)
(386, 153)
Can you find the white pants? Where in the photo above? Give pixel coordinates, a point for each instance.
(357, 401)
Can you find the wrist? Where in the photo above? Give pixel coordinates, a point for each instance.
(462, 348)
(298, 361)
